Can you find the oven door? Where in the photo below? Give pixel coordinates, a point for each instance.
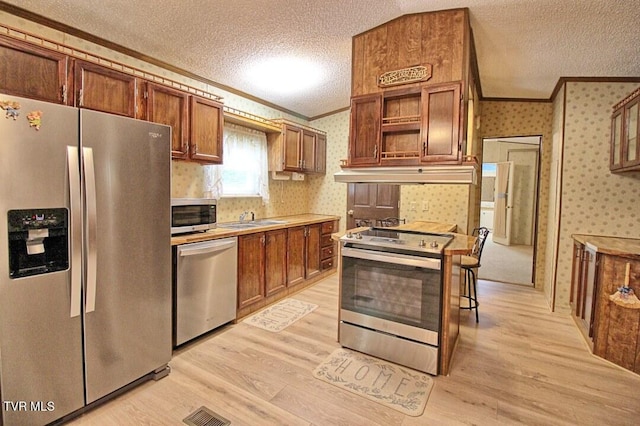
(394, 293)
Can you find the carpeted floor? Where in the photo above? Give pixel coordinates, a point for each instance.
(508, 264)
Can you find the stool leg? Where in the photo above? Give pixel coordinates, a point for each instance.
(468, 280)
(475, 293)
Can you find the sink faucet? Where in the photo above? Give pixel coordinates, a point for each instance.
(244, 215)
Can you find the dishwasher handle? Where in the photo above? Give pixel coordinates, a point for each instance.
(208, 247)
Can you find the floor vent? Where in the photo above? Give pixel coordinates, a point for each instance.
(205, 417)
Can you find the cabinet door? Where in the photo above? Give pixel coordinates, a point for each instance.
(313, 250)
(441, 124)
(364, 141)
(276, 261)
(292, 145)
(103, 89)
(32, 72)
(251, 267)
(295, 255)
(576, 279)
(309, 142)
(169, 106)
(206, 130)
(616, 140)
(590, 289)
(631, 139)
(321, 154)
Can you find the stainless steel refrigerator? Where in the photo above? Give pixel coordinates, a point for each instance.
(85, 257)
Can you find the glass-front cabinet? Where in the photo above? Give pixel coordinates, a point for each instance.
(625, 134)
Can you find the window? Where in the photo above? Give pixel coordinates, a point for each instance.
(245, 169)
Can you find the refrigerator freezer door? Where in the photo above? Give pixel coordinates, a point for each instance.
(40, 340)
(129, 333)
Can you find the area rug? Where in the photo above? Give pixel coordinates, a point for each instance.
(281, 315)
(402, 389)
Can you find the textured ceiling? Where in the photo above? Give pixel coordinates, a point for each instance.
(523, 46)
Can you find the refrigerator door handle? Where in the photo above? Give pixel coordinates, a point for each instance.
(91, 227)
(75, 213)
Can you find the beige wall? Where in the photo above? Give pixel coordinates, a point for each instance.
(325, 195)
(594, 201)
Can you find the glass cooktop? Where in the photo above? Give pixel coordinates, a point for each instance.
(400, 240)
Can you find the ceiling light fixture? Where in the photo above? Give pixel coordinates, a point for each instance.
(285, 75)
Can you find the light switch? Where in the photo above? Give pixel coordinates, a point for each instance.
(425, 206)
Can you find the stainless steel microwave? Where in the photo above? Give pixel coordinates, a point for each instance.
(192, 214)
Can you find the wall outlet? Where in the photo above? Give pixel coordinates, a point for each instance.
(413, 206)
(425, 206)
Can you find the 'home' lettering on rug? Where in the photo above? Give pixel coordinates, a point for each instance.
(374, 378)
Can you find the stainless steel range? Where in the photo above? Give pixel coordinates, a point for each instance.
(391, 282)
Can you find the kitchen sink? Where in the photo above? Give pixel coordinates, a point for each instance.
(252, 224)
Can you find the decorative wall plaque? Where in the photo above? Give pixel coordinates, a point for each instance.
(405, 76)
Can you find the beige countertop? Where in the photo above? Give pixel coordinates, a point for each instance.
(221, 232)
(616, 246)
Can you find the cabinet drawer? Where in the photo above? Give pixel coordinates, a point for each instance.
(326, 252)
(328, 227)
(327, 264)
(326, 241)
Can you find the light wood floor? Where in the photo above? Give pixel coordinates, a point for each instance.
(520, 365)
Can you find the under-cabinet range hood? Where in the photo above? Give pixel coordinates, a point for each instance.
(417, 175)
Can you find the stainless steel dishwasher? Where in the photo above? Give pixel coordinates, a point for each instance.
(205, 287)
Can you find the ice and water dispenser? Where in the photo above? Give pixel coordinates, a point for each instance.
(38, 241)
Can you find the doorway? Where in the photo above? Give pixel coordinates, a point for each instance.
(367, 203)
(509, 204)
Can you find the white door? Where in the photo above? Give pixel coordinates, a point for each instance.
(502, 217)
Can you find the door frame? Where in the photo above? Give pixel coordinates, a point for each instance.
(536, 213)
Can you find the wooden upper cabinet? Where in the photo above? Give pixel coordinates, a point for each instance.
(32, 72)
(169, 106)
(616, 140)
(206, 130)
(321, 154)
(292, 148)
(625, 134)
(103, 89)
(296, 149)
(364, 143)
(441, 123)
(309, 142)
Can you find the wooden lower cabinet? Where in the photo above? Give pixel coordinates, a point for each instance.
(273, 264)
(617, 328)
(327, 246)
(251, 269)
(262, 268)
(275, 261)
(303, 253)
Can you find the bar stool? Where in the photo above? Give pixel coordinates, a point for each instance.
(470, 264)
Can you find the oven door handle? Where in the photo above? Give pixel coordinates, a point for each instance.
(395, 258)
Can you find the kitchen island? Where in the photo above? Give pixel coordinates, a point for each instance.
(449, 279)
